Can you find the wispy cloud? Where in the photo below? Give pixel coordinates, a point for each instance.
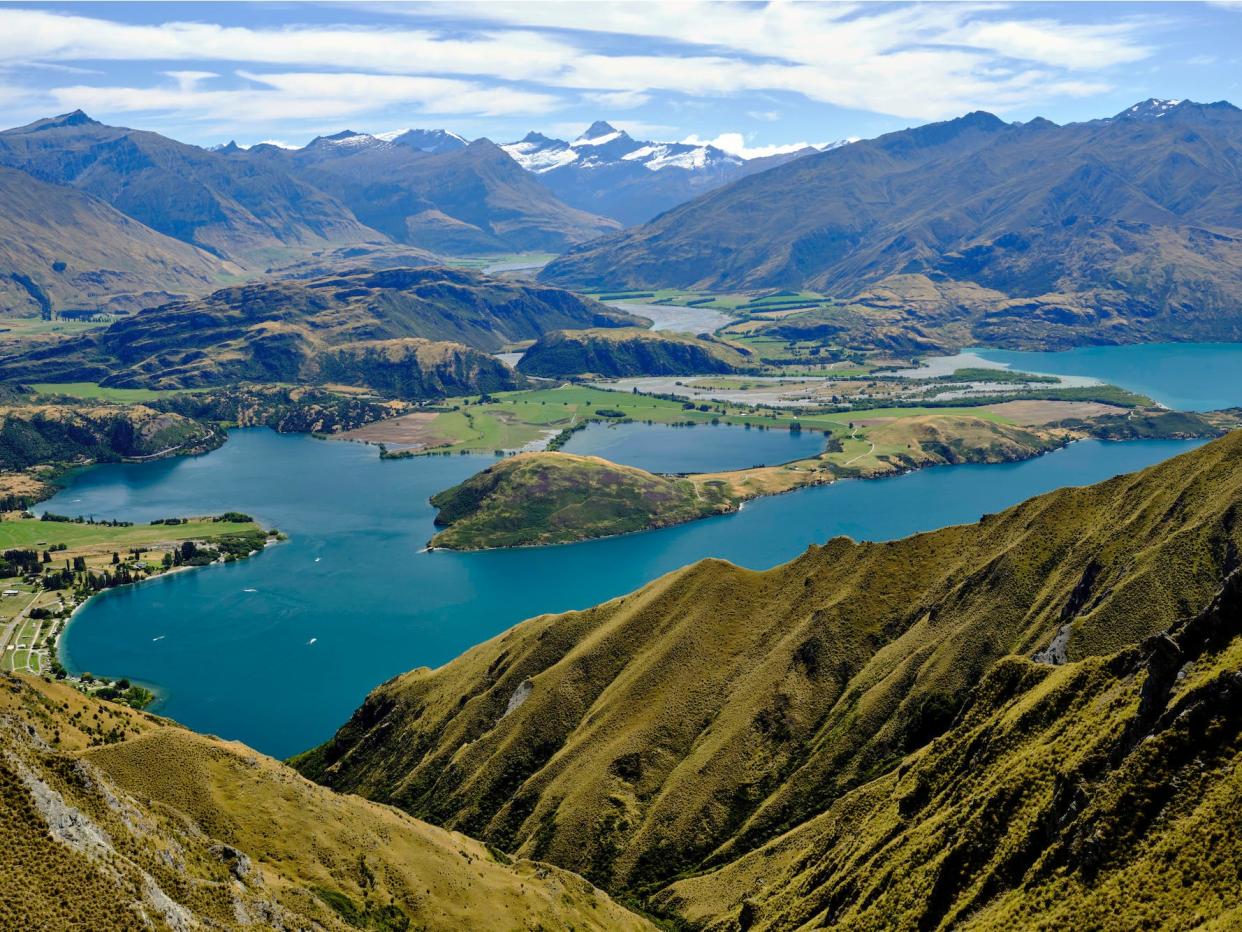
(304, 96)
(918, 60)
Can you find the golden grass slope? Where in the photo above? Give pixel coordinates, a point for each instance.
(685, 725)
(115, 819)
(1098, 795)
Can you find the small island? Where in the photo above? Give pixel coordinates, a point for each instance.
(534, 499)
(557, 498)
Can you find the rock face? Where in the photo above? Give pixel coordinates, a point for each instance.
(859, 737)
(1113, 230)
(112, 819)
(395, 330)
(617, 353)
(556, 498)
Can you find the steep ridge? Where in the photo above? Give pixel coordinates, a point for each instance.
(249, 213)
(687, 725)
(365, 328)
(116, 819)
(455, 200)
(1112, 230)
(62, 250)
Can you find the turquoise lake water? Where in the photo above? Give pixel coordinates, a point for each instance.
(278, 650)
(1183, 376)
(701, 448)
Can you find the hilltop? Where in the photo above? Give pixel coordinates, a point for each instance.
(619, 352)
(415, 332)
(965, 727)
(116, 819)
(1120, 230)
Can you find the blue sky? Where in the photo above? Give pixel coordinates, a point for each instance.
(756, 76)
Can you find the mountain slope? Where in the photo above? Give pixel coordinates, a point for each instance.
(62, 250)
(116, 819)
(684, 726)
(1113, 230)
(620, 352)
(607, 172)
(451, 199)
(251, 213)
(371, 327)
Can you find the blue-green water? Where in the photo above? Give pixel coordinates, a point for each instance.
(701, 448)
(278, 650)
(1182, 376)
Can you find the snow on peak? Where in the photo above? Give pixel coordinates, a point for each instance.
(1151, 109)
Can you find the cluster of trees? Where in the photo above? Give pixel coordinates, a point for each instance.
(65, 519)
(19, 563)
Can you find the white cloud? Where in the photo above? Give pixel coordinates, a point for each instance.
(736, 144)
(919, 61)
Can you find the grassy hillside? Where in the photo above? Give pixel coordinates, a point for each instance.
(63, 250)
(52, 433)
(1031, 234)
(115, 819)
(323, 330)
(555, 498)
(681, 728)
(616, 353)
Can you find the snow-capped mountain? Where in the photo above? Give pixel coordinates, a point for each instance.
(608, 172)
(603, 144)
(426, 140)
(1151, 109)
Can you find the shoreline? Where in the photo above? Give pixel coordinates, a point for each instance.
(73, 677)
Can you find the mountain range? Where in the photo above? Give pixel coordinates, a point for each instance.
(433, 190)
(249, 212)
(606, 171)
(1112, 230)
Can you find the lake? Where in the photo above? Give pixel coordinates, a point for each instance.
(278, 650)
(705, 448)
(1182, 376)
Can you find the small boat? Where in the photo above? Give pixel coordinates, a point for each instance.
(311, 641)
(160, 638)
(250, 590)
